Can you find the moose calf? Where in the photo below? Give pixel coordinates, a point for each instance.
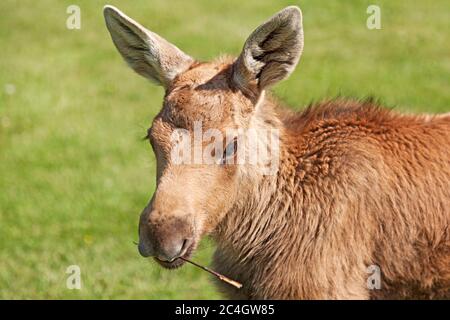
(354, 185)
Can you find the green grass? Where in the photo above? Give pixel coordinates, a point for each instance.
(74, 171)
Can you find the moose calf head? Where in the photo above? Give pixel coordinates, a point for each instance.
(222, 97)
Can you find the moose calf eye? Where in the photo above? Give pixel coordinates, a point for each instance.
(229, 152)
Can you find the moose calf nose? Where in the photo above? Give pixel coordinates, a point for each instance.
(166, 236)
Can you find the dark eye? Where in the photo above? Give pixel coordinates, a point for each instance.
(230, 152)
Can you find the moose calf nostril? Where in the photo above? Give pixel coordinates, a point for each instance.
(185, 246)
(174, 250)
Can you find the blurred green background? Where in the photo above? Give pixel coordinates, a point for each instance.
(74, 171)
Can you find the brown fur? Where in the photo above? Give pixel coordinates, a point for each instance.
(357, 184)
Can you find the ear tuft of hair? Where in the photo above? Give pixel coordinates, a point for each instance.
(271, 52)
(144, 51)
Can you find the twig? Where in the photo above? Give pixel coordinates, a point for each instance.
(218, 275)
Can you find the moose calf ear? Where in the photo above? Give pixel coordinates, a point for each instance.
(271, 52)
(147, 53)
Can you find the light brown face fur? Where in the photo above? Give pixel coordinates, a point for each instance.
(355, 186)
(197, 194)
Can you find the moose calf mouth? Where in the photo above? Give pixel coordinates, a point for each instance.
(177, 262)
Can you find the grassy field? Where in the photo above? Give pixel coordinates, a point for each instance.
(74, 171)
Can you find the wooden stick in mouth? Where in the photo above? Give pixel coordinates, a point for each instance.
(218, 275)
